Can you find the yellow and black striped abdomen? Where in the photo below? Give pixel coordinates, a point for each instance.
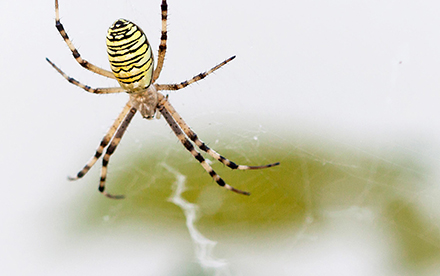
(130, 55)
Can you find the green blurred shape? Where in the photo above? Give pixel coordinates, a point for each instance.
(312, 179)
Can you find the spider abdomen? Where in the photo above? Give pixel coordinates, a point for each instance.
(130, 55)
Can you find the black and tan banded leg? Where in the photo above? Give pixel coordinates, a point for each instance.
(108, 136)
(84, 63)
(193, 136)
(189, 146)
(200, 76)
(107, 90)
(163, 41)
(111, 149)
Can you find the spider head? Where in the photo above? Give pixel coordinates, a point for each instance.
(145, 101)
(130, 55)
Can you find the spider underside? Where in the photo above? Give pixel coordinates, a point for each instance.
(132, 65)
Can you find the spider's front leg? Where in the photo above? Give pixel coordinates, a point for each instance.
(189, 146)
(193, 136)
(119, 126)
(111, 149)
(105, 141)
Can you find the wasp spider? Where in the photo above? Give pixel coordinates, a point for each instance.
(131, 62)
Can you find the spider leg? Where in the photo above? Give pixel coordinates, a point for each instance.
(84, 63)
(196, 78)
(103, 143)
(181, 136)
(111, 149)
(163, 41)
(193, 136)
(86, 87)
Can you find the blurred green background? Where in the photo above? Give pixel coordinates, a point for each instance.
(318, 188)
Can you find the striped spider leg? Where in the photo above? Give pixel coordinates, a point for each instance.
(132, 65)
(201, 145)
(84, 63)
(182, 131)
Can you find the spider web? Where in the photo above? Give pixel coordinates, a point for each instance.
(203, 246)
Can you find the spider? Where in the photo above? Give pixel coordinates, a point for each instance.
(132, 65)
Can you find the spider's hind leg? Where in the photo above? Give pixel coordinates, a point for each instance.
(106, 90)
(196, 78)
(84, 63)
(163, 41)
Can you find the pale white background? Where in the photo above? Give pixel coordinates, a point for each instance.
(364, 73)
